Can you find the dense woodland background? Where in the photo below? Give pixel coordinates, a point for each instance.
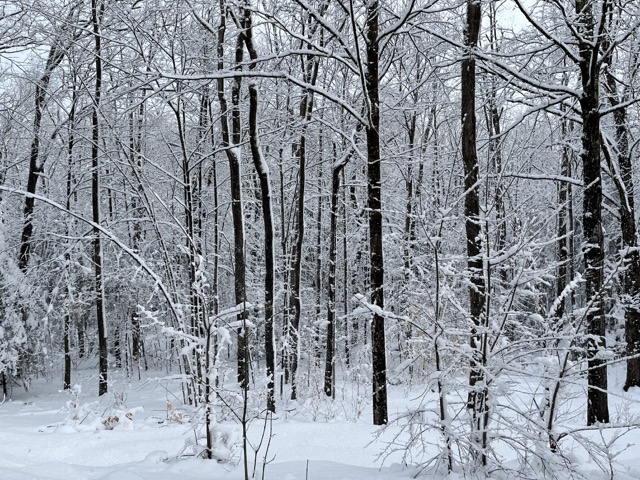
(286, 197)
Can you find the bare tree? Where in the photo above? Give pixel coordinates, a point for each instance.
(589, 39)
(477, 377)
(36, 168)
(262, 169)
(618, 157)
(374, 207)
(231, 130)
(97, 10)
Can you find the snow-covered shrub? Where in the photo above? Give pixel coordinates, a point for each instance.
(173, 414)
(13, 333)
(13, 337)
(91, 416)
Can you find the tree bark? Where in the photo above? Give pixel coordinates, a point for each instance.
(96, 16)
(231, 137)
(56, 54)
(374, 207)
(593, 248)
(331, 307)
(262, 169)
(564, 227)
(67, 256)
(624, 181)
(477, 401)
(135, 161)
(310, 68)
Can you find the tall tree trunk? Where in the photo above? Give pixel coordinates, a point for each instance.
(286, 262)
(96, 16)
(196, 310)
(310, 68)
(213, 179)
(564, 227)
(67, 256)
(262, 169)
(190, 221)
(135, 161)
(348, 331)
(318, 252)
(477, 401)
(56, 54)
(593, 249)
(231, 138)
(374, 207)
(331, 307)
(493, 114)
(623, 177)
(296, 265)
(337, 173)
(409, 218)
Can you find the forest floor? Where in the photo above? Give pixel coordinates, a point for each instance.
(47, 433)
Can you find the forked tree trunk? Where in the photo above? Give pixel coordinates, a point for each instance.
(306, 108)
(262, 169)
(231, 139)
(329, 374)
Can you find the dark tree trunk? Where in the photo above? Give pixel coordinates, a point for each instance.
(477, 401)
(564, 227)
(67, 256)
(262, 169)
(495, 149)
(593, 249)
(337, 172)
(82, 338)
(296, 267)
(409, 218)
(318, 253)
(286, 260)
(348, 333)
(136, 340)
(56, 54)
(331, 307)
(135, 160)
(310, 68)
(96, 15)
(117, 349)
(374, 207)
(231, 138)
(192, 246)
(213, 180)
(625, 186)
(629, 238)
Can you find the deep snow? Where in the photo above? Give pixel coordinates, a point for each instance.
(46, 433)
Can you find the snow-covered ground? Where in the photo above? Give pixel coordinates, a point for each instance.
(51, 434)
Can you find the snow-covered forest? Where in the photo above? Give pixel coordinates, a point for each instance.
(251, 235)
